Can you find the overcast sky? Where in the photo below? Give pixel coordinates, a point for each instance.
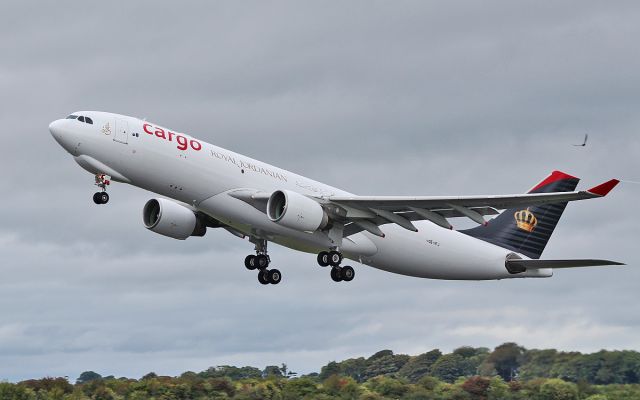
(378, 97)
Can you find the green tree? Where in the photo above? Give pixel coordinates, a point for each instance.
(367, 396)
(385, 365)
(466, 351)
(235, 373)
(450, 367)
(380, 354)
(430, 383)
(333, 368)
(419, 366)
(342, 387)
(10, 391)
(506, 359)
(103, 393)
(565, 365)
(449, 391)
(387, 386)
(537, 363)
(60, 386)
(88, 376)
(299, 388)
(260, 390)
(557, 389)
(272, 370)
(499, 390)
(150, 375)
(354, 367)
(451, 377)
(475, 356)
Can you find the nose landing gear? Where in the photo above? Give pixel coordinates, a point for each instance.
(102, 181)
(101, 197)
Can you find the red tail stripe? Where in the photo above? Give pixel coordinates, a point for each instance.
(554, 177)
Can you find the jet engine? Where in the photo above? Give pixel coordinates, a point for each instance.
(295, 211)
(171, 219)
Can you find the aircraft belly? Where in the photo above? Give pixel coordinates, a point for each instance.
(437, 253)
(96, 167)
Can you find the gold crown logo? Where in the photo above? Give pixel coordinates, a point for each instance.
(526, 220)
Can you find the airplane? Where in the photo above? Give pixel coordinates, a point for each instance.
(202, 186)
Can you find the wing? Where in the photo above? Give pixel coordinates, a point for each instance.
(367, 212)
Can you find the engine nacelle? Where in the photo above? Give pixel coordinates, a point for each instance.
(295, 211)
(171, 219)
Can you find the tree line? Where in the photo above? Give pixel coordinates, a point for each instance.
(509, 372)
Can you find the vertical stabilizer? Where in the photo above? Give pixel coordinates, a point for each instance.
(527, 230)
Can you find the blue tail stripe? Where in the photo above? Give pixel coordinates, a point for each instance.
(504, 230)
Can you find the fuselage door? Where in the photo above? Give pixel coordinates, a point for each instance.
(122, 131)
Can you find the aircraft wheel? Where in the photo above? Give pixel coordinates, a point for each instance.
(263, 276)
(250, 262)
(274, 276)
(347, 274)
(262, 261)
(323, 258)
(101, 197)
(335, 258)
(336, 274)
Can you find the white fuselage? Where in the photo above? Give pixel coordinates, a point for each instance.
(200, 174)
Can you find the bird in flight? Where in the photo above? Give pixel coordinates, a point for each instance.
(584, 143)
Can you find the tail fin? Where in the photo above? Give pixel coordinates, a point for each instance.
(527, 230)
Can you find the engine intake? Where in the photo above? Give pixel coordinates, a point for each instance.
(295, 211)
(171, 219)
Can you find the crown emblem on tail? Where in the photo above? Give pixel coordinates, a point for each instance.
(526, 220)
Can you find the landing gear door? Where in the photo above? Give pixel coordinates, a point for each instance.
(122, 131)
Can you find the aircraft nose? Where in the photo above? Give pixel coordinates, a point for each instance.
(56, 129)
(60, 131)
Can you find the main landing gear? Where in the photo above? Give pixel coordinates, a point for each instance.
(338, 273)
(261, 262)
(102, 181)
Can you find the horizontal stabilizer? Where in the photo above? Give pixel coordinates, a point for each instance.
(514, 264)
(605, 188)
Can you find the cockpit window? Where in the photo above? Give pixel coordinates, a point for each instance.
(81, 118)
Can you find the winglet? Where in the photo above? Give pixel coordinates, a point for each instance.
(605, 188)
